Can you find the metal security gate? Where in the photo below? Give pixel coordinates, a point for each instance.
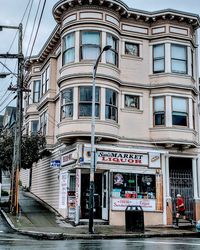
(181, 182)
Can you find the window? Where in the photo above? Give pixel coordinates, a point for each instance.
(131, 101)
(179, 111)
(85, 101)
(45, 81)
(192, 63)
(69, 48)
(90, 45)
(112, 54)
(43, 123)
(179, 59)
(67, 103)
(111, 105)
(128, 185)
(132, 49)
(159, 111)
(36, 91)
(158, 58)
(34, 127)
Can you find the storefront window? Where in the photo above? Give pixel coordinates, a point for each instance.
(128, 185)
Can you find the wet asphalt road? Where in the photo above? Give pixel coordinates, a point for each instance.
(9, 239)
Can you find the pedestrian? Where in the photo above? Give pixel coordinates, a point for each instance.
(180, 208)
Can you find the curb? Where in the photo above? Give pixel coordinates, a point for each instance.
(64, 236)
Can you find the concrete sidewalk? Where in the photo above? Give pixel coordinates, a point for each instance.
(38, 221)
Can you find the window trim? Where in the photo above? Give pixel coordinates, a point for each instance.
(89, 45)
(112, 105)
(115, 50)
(182, 60)
(66, 104)
(132, 43)
(68, 49)
(187, 113)
(159, 58)
(154, 113)
(89, 102)
(36, 92)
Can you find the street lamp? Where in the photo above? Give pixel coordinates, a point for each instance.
(92, 164)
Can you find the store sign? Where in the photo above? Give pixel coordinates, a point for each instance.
(122, 158)
(55, 164)
(120, 204)
(69, 158)
(154, 160)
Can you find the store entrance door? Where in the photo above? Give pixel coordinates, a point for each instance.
(105, 196)
(85, 193)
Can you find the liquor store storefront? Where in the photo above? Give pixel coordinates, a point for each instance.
(122, 178)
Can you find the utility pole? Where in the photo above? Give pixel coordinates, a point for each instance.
(16, 164)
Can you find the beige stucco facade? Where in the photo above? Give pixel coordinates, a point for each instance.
(155, 56)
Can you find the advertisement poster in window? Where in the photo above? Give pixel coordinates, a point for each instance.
(63, 190)
(121, 204)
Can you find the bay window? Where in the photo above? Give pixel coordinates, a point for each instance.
(159, 111)
(69, 48)
(67, 103)
(179, 59)
(179, 111)
(111, 105)
(90, 45)
(112, 54)
(85, 101)
(158, 58)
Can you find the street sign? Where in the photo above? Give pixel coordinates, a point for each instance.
(55, 164)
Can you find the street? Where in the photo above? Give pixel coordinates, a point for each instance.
(12, 240)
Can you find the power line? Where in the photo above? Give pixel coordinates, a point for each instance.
(34, 23)
(41, 15)
(8, 104)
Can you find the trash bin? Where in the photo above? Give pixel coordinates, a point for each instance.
(134, 217)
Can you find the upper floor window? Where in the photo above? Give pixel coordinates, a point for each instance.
(85, 101)
(179, 111)
(90, 45)
(34, 127)
(179, 59)
(111, 105)
(158, 58)
(159, 111)
(45, 81)
(67, 103)
(131, 101)
(112, 54)
(69, 48)
(131, 49)
(36, 91)
(43, 123)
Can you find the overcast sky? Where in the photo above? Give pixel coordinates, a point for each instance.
(11, 13)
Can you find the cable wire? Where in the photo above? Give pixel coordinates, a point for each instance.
(41, 15)
(8, 104)
(34, 23)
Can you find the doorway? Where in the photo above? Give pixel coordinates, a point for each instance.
(181, 182)
(85, 192)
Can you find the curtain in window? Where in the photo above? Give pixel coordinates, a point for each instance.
(179, 59)
(159, 111)
(179, 113)
(159, 58)
(90, 45)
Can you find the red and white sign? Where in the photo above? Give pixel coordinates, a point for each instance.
(122, 158)
(120, 204)
(68, 158)
(63, 190)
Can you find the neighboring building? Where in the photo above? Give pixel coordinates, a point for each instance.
(9, 119)
(147, 123)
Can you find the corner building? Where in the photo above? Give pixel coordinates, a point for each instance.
(146, 108)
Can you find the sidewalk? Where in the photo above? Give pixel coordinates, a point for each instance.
(37, 221)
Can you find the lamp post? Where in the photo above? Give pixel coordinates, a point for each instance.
(92, 164)
(16, 164)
